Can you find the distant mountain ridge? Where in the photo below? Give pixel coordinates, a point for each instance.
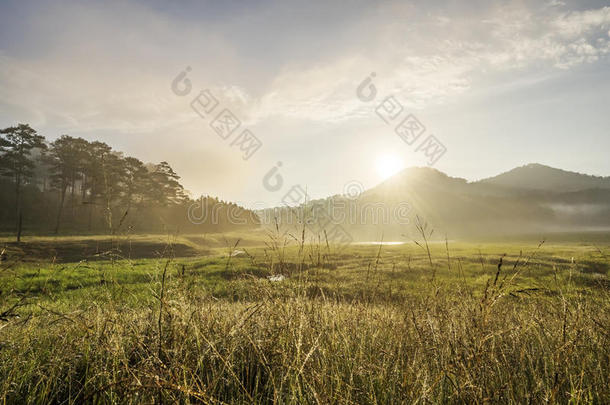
(528, 199)
(540, 177)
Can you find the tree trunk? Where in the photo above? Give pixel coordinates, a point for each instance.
(61, 205)
(107, 197)
(83, 189)
(91, 203)
(19, 224)
(72, 186)
(90, 216)
(18, 206)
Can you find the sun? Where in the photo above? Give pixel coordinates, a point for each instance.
(388, 165)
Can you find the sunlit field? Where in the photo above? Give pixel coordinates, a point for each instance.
(281, 319)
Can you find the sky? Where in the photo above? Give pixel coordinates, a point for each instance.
(499, 84)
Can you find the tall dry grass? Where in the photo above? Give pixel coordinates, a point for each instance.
(293, 344)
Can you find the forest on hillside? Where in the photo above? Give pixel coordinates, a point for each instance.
(72, 185)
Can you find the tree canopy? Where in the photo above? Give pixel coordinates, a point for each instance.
(74, 185)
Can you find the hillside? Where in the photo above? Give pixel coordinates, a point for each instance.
(535, 176)
(529, 199)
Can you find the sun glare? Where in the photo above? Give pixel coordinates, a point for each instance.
(388, 165)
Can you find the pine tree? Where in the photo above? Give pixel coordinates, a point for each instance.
(66, 160)
(16, 162)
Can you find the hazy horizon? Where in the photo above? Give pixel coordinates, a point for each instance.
(500, 85)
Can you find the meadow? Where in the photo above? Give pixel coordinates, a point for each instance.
(278, 317)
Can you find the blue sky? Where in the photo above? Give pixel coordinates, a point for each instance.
(500, 84)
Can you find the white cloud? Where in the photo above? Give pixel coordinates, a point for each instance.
(511, 38)
(424, 59)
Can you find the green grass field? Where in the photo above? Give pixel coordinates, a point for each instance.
(196, 319)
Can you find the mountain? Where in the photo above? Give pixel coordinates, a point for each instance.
(535, 176)
(456, 207)
(529, 199)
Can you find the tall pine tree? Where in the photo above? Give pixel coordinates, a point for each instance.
(16, 162)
